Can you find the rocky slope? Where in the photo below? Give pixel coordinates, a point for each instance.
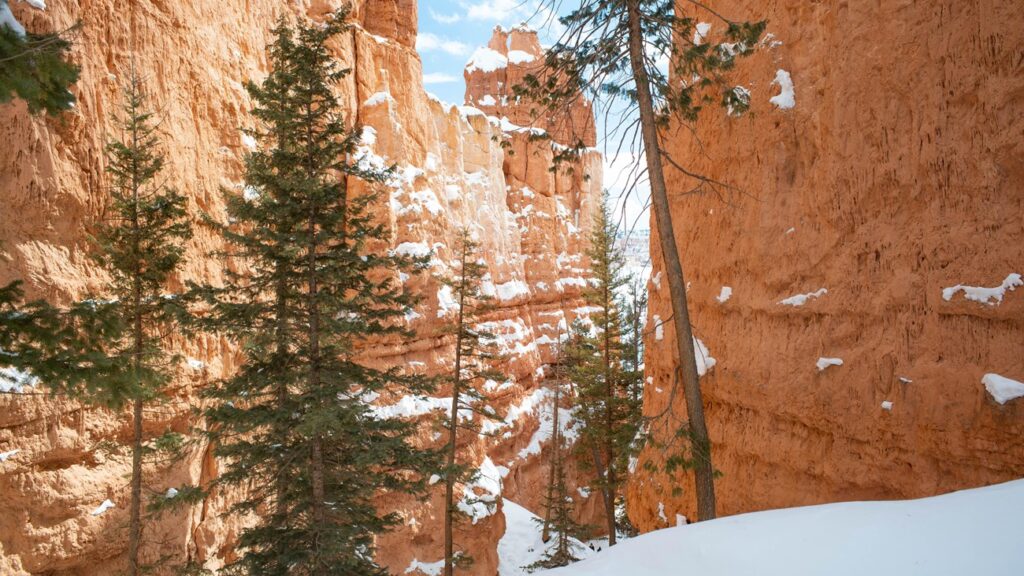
(897, 174)
(454, 172)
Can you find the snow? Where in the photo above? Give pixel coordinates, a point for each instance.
(786, 99)
(14, 380)
(250, 194)
(479, 506)
(378, 99)
(445, 301)
(171, 493)
(412, 250)
(487, 100)
(969, 532)
(1001, 388)
(428, 568)
(659, 329)
(724, 295)
(990, 296)
(248, 141)
(486, 60)
(824, 363)
(5, 455)
(414, 406)
(656, 280)
(106, 505)
(521, 545)
(512, 289)
(701, 33)
(704, 360)
(520, 57)
(661, 512)
(195, 364)
(7, 17)
(801, 299)
(886, 405)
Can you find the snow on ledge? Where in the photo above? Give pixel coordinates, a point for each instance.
(990, 296)
(428, 568)
(1001, 388)
(106, 505)
(786, 99)
(486, 60)
(824, 363)
(801, 299)
(724, 295)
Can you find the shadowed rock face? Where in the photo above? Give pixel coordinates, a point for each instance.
(897, 174)
(454, 172)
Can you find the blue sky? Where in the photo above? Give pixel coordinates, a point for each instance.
(449, 32)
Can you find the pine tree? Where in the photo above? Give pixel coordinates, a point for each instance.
(474, 355)
(612, 49)
(604, 406)
(141, 245)
(35, 67)
(294, 424)
(558, 504)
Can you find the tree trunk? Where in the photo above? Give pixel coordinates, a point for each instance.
(135, 513)
(453, 427)
(701, 444)
(609, 416)
(555, 444)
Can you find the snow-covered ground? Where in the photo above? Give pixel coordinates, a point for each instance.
(978, 531)
(522, 545)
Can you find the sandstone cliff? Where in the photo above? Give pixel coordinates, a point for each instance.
(454, 172)
(896, 174)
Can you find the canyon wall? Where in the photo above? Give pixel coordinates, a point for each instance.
(895, 172)
(457, 167)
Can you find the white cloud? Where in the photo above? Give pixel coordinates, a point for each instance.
(493, 10)
(444, 18)
(438, 78)
(427, 42)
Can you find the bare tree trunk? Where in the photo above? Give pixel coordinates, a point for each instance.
(703, 469)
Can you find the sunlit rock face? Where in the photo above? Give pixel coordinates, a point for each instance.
(453, 172)
(884, 176)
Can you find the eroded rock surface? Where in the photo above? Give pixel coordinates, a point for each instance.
(896, 173)
(453, 172)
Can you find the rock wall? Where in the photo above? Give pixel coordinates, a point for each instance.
(454, 171)
(897, 174)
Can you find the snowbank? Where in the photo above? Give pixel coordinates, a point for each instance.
(969, 532)
(521, 545)
(1001, 388)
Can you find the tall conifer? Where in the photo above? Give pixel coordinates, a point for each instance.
(475, 353)
(603, 406)
(294, 424)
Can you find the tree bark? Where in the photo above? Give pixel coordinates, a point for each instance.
(701, 444)
(453, 427)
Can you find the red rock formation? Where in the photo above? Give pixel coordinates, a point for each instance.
(897, 174)
(495, 70)
(454, 172)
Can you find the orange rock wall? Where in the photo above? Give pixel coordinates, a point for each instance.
(897, 174)
(454, 172)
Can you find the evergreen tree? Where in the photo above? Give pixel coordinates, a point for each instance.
(141, 245)
(612, 49)
(604, 407)
(294, 424)
(35, 67)
(474, 355)
(558, 504)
